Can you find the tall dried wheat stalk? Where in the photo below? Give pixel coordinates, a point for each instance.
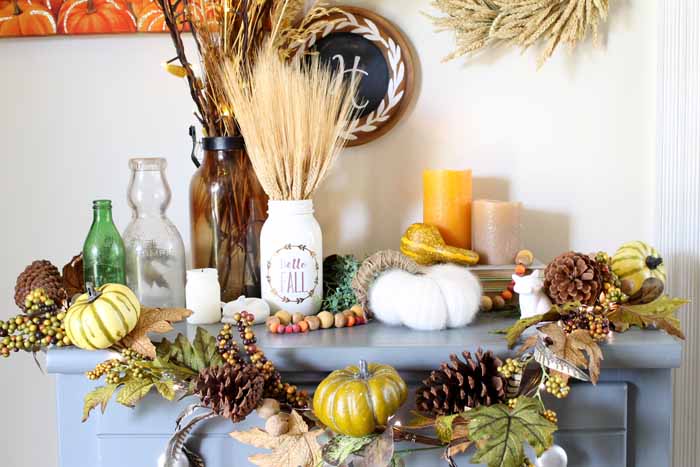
(292, 116)
(232, 31)
(479, 23)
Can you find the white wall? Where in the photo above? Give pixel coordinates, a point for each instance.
(570, 141)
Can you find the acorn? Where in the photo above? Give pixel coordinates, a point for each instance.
(268, 408)
(277, 425)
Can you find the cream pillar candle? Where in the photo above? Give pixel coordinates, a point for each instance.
(203, 296)
(496, 229)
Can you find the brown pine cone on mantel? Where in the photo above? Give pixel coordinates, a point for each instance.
(40, 274)
(460, 385)
(572, 277)
(232, 391)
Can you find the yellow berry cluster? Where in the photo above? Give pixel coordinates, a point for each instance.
(512, 403)
(37, 300)
(102, 369)
(613, 294)
(510, 367)
(557, 387)
(550, 415)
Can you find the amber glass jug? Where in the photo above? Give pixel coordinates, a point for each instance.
(227, 210)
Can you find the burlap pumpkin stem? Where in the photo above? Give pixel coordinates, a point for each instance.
(41, 274)
(573, 277)
(460, 385)
(232, 391)
(373, 266)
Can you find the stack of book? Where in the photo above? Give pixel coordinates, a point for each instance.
(496, 278)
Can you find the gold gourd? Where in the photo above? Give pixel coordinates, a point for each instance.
(356, 400)
(424, 245)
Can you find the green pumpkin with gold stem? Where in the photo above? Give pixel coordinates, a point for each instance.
(356, 400)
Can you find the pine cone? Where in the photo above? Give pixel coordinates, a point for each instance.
(232, 391)
(39, 274)
(459, 385)
(572, 277)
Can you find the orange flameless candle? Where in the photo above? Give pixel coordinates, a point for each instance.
(447, 197)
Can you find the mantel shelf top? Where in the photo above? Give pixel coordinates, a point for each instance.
(401, 347)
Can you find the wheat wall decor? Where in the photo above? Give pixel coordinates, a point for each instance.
(524, 23)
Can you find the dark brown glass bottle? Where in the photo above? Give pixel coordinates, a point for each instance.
(226, 204)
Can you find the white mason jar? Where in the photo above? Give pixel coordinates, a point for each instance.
(203, 296)
(291, 257)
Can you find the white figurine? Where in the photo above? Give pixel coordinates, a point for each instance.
(533, 300)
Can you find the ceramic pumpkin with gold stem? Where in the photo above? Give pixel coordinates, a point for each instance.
(356, 400)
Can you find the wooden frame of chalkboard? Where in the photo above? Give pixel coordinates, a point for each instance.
(358, 40)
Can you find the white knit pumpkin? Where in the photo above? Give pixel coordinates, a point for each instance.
(444, 296)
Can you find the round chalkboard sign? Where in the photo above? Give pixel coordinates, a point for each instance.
(362, 44)
(352, 54)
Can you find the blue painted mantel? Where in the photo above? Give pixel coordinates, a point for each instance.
(623, 421)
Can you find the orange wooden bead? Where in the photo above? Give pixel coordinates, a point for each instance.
(351, 321)
(507, 295)
(303, 326)
(273, 327)
(520, 269)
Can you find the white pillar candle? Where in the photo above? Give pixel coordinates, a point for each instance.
(203, 294)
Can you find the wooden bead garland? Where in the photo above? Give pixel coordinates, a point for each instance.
(284, 323)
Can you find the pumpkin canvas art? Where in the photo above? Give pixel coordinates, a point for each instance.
(22, 18)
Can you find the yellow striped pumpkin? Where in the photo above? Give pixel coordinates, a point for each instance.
(637, 261)
(356, 400)
(102, 317)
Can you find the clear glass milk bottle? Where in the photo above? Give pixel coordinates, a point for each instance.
(155, 253)
(291, 254)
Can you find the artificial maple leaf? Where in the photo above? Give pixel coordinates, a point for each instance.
(298, 448)
(660, 313)
(500, 432)
(571, 347)
(153, 320)
(72, 276)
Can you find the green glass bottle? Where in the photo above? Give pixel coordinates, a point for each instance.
(104, 259)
